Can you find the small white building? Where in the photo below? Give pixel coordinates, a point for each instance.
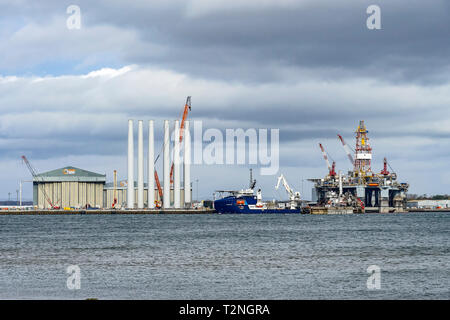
(428, 204)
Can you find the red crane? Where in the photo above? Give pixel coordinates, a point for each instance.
(385, 170)
(361, 204)
(36, 177)
(158, 184)
(331, 168)
(187, 108)
(115, 190)
(347, 150)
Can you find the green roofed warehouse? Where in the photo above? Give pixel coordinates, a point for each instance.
(68, 187)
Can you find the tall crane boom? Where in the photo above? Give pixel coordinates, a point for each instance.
(325, 156)
(347, 150)
(158, 185)
(187, 107)
(115, 190)
(294, 197)
(36, 177)
(331, 168)
(289, 190)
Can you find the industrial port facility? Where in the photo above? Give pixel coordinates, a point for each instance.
(360, 190)
(74, 188)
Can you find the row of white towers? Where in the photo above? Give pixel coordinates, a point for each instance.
(166, 166)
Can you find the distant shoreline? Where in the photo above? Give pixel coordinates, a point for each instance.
(171, 211)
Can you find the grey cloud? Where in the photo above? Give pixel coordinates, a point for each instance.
(326, 39)
(247, 46)
(310, 69)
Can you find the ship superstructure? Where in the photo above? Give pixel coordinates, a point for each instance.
(247, 202)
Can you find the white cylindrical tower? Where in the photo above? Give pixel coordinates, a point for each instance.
(130, 183)
(140, 179)
(176, 167)
(187, 165)
(166, 165)
(151, 167)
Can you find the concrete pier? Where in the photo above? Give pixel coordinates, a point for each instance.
(107, 211)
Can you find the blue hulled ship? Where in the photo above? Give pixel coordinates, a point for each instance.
(245, 201)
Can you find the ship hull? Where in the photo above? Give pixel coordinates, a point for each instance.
(261, 211)
(247, 205)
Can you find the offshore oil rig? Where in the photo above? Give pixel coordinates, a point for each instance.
(360, 190)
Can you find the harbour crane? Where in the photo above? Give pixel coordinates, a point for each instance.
(252, 181)
(294, 196)
(331, 168)
(385, 171)
(41, 185)
(115, 190)
(187, 108)
(158, 185)
(347, 150)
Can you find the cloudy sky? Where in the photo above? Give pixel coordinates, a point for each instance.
(311, 68)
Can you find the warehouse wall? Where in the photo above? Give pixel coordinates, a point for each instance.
(78, 194)
(69, 194)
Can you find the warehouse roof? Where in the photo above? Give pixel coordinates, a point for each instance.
(70, 174)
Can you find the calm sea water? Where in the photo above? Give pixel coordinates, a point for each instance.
(226, 256)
